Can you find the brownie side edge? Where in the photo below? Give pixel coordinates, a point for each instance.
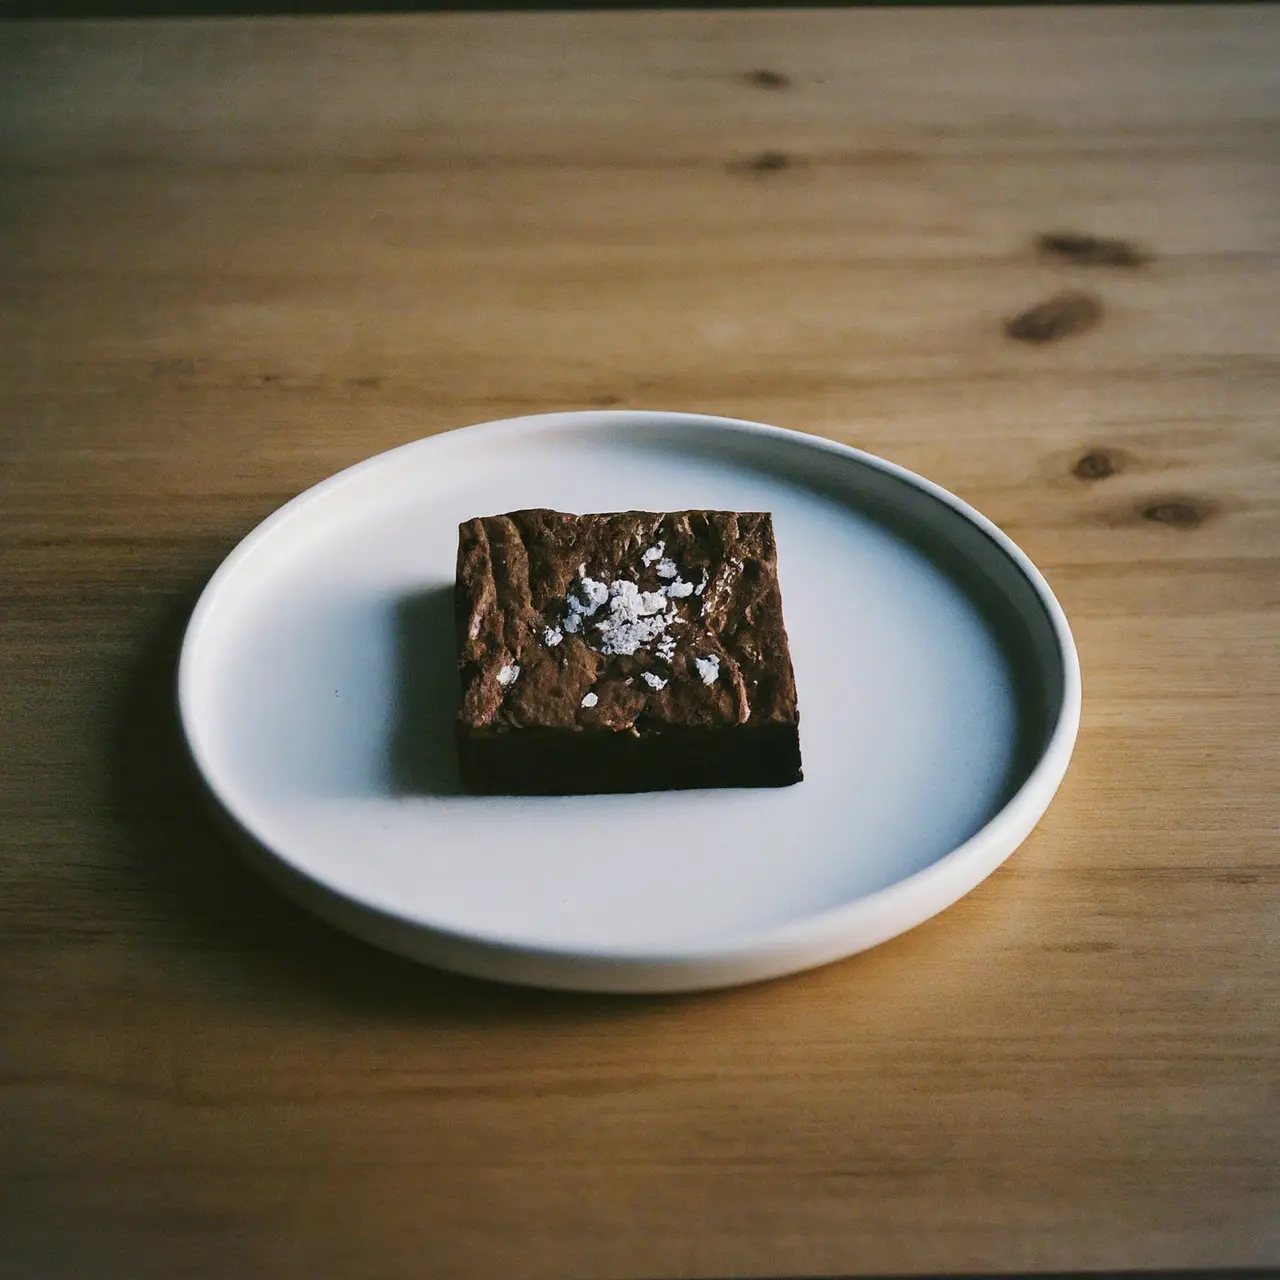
(536, 761)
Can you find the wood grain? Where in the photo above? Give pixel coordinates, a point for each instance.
(236, 256)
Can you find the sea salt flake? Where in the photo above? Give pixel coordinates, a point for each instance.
(594, 594)
(509, 674)
(678, 589)
(654, 682)
(551, 636)
(654, 553)
(708, 668)
(668, 569)
(627, 637)
(589, 700)
(635, 617)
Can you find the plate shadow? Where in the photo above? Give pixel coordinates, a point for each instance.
(422, 754)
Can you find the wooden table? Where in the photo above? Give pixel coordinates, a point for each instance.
(236, 256)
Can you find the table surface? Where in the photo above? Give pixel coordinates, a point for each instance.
(236, 256)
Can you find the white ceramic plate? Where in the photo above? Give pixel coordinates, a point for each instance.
(939, 698)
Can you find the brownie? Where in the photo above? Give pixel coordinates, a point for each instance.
(634, 651)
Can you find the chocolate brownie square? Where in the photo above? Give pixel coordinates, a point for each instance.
(634, 651)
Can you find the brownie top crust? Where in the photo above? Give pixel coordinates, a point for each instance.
(631, 621)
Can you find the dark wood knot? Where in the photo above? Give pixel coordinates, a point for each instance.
(1180, 513)
(1092, 251)
(1097, 464)
(764, 162)
(1087, 946)
(1058, 317)
(763, 78)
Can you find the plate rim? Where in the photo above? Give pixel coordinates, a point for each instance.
(812, 940)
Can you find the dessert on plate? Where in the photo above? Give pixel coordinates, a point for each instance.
(632, 651)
